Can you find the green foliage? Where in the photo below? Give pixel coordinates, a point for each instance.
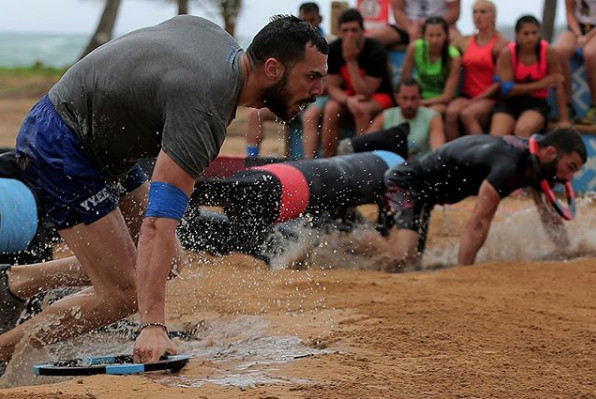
(36, 69)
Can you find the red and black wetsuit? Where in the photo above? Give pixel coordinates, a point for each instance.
(255, 199)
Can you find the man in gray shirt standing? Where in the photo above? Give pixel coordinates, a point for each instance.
(167, 91)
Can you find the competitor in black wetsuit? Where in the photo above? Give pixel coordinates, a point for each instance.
(489, 167)
(257, 198)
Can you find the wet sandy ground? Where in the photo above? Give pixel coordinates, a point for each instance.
(512, 326)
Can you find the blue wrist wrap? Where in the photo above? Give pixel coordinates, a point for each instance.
(166, 201)
(506, 87)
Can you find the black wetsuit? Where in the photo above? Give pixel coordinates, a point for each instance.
(453, 172)
(255, 199)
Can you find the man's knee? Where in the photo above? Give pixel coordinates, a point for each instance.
(589, 54)
(526, 129)
(359, 110)
(565, 52)
(332, 109)
(453, 114)
(467, 116)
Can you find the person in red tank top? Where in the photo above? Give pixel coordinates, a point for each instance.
(579, 40)
(527, 69)
(479, 90)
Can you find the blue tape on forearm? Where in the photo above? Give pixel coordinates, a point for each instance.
(506, 87)
(166, 201)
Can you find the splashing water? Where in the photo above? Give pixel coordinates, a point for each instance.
(241, 349)
(516, 236)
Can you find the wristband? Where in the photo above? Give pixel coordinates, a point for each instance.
(506, 87)
(166, 201)
(143, 326)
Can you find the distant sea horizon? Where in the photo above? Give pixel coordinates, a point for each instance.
(22, 49)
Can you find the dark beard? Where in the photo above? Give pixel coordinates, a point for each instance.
(276, 99)
(549, 171)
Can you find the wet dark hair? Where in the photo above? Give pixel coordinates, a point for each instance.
(408, 82)
(285, 38)
(309, 7)
(566, 141)
(445, 57)
(351, 14)
(527, 19)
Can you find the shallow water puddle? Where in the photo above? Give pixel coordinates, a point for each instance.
(244, 353)
(239, 351)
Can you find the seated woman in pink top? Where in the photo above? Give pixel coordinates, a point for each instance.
(479, 89)
(527, 68)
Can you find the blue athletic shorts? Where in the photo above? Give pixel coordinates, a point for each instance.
(69, 185)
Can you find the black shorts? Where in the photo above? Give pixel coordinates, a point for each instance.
(584, 28)
(517, 105)
(409, 212)
(404, 38)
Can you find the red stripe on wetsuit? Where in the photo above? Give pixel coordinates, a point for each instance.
(295, 193)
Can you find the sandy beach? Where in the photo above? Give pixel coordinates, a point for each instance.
(516, 325)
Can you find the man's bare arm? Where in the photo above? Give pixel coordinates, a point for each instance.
(478, 226)
(156, 247)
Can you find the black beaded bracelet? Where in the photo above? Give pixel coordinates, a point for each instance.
(154, 325)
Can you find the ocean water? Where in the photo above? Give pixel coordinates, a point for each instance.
(52, 49)
(25, 49)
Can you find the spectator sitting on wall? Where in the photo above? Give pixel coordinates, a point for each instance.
(479, 90)
(437, 64)
(426, 131)
(357, 82)
(527, 69)
(579, 37)
(410, 16)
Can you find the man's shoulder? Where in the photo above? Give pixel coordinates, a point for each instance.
(480, 142)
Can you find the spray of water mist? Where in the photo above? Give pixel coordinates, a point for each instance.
(515, 237)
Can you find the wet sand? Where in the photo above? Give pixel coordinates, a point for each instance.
(511, 326)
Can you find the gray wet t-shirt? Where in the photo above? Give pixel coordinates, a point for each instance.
(174, 86)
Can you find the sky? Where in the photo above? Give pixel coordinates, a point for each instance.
(81, 16)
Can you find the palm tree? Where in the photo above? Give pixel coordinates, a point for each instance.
(182, 7)
(229, 11)
(549, 13)
(105, 27)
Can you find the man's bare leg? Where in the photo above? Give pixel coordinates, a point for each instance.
(24, 281)
(107, 254)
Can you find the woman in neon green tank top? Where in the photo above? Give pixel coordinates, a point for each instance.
(437, 64)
